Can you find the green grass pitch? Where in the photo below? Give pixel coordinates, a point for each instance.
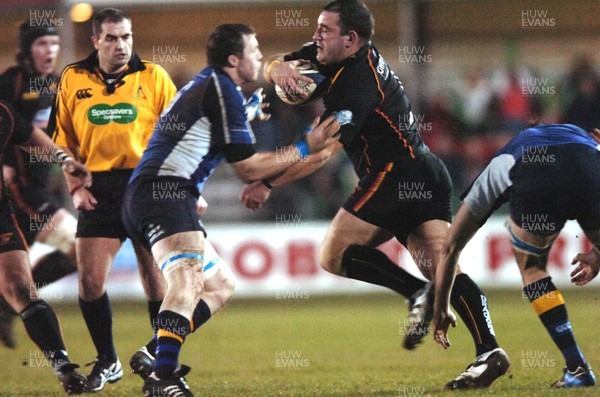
(322, 346)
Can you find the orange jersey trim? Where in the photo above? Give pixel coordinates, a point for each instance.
(375, 75)
(16, 224)
(335, 78)
(406, 145)
(373, 188)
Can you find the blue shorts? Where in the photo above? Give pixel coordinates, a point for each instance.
(159, 207)
(562, 184)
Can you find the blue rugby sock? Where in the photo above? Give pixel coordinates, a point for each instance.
(549, 304)
(172, 330)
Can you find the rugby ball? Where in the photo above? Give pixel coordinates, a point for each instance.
(314, 90)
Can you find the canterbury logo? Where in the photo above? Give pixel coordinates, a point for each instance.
(84, 93)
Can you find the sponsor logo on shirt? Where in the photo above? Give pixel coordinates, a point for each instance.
(122, 113)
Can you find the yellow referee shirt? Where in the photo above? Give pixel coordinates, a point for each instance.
(109, 130)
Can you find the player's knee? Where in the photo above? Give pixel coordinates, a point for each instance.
(330, 262)
(90, 288)
(228, 288)
(19, 292)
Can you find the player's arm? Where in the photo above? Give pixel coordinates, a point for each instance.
(588, 264)
(75, 172)
(63, 133)
(482, 198)
(255, 194)
(268, 164)
(305, 168)
(463, 228)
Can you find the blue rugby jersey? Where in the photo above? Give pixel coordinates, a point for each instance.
(490, 189)
(204, 123)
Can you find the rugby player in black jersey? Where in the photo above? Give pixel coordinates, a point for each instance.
(404, 190)
(30, 87)
(16, 283)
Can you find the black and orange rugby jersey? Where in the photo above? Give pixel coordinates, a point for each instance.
(13, 131)
(383, 127)
(109, 126)
(31, 95)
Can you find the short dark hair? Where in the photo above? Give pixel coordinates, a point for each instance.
(227, 39)
(107, 15)
(354, 15)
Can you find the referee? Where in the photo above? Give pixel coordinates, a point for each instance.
(104, 114)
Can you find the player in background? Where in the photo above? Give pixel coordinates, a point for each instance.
(547, 174)
(404, 190)
(104, 113)
(30, 87)
(16, 283)
(211, 125)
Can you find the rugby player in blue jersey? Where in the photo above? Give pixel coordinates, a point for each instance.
(205, 123)
(547, 174)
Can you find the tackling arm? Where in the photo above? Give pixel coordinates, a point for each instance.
(464, 226)
(254, 195)
(265, 165)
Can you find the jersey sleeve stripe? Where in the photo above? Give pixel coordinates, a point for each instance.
(226, 134)
(12, 125)
(375, 74)
(334, 79)
(400, 135)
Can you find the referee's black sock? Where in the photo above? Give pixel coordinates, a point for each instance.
(470, 303)
(373, 266)
(42, 327)
(98, 318)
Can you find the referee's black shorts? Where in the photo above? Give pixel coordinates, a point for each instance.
(105, 219)
(402, 195)
(555, 184)
(159, 207)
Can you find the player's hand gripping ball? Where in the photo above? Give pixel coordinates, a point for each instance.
(312, 90)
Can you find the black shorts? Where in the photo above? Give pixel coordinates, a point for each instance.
(559, 183)
(33, 208)
(11, 238)
(105, 219)
(159, 207)
(402, 195)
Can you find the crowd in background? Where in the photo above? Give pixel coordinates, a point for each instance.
(464, 124)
